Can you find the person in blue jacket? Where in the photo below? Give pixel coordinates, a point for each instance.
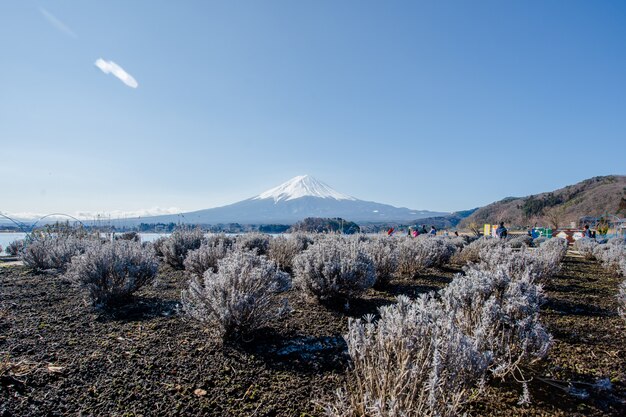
(501, 231)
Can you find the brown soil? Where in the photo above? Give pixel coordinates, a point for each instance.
(58, 357)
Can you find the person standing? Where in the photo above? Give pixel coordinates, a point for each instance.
(501, 231)
(587, 232)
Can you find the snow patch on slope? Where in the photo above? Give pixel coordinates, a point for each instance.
(302, 186)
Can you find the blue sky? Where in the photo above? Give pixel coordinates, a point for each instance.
(429, 105)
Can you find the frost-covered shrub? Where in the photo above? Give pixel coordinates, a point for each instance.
(519, 241)
(413, 361)
(538, 263)
(586, 247)
(236, 300)
(111, 272)
(516, 263)
(205, 258)
(551, 254)
(537, 242)
(133, 236)
(471, 252)
(15, 248)
(157, 246)
(555, 247)
(333, 268)
(459, 242)
(220, 238)
(382, 251)
(611, 256)
(501, 315)
(180, 242)
(54, 252)
(414, 255)
(427, 357)
(254, 241)
(620, 241)
(283, 249)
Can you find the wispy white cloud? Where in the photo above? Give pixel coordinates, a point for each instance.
(90, 215)
(110, 67)
(54, 21)
(120, 214)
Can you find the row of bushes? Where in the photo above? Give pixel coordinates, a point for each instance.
(333, 269)
(426, 356)
(325, 267)
(538, 263)
(108, 272)
(612, 254)
(233, 280)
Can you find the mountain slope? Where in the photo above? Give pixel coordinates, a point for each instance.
(595, 197)
(296, 199)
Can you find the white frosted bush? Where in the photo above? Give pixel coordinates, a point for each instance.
(586, 247)
(15, 248)
(611, 257)
(459, 242)
(555, 247)
(178, 244)
(382, 251)
(283, 249)
(53, 251)
(620, 241)
(429, 356)
(332, 269)
(134, 236)
(519, 241)
(254, 241)
(220, 238)
(157, 246)
(471, 252)
(237, 299)
(111, 273)
(538, 263)
(551, 254)
(516, 263)
(205, 258)
(501, 315)
(416, 254)
(413, 361)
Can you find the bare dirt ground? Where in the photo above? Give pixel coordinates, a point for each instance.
(58, 357)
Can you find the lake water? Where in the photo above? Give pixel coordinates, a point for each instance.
(7, 238)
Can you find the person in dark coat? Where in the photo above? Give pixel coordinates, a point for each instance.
(501, 231)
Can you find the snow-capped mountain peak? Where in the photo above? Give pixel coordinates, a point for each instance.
(302, 186)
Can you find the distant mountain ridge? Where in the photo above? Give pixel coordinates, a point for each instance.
(596, 197)
(300, 197)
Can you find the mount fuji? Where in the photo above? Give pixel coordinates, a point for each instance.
(300, 197)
